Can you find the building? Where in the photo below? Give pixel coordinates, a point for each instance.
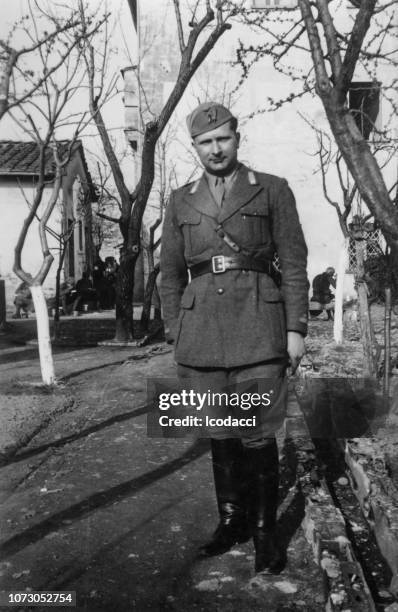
(69, 226)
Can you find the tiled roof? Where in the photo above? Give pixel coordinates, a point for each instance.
(22, 158)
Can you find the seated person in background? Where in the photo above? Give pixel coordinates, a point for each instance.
(67, 295)
(322, 297)
(23, 301)
(85, 293)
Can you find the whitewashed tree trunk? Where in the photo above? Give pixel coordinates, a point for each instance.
(367, 334)
(338, 307)
(43, 335)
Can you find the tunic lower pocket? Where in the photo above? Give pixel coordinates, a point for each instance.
(187, 303)
(275, 316)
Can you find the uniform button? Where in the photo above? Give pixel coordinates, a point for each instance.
(220, 291)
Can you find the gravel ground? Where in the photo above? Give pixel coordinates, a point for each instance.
(90, 503)
(326, 360)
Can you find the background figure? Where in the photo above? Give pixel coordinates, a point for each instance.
(23, 301)
(109, 286)
(99, 280)
(322, 297)
(67, 295)
(85, 293)
(377, 277)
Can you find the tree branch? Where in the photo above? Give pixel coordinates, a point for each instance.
(358, 33)
(106, 142)
(107, 217)
(194, 34)
(179, 26)
(17, 268)
(47, 256)
(330, 37)
(323, 85)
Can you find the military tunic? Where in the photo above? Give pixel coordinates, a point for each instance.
(237, 317)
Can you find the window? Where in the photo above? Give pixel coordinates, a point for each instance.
(364, 104)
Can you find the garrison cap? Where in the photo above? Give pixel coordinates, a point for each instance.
(207, 116)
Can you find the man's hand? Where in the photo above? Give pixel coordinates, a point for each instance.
(295, 349)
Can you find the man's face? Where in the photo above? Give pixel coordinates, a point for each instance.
(218, 149)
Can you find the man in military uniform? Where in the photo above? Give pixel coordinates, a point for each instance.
(232, 321)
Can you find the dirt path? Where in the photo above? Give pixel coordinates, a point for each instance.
(94, 505)
(91, 503)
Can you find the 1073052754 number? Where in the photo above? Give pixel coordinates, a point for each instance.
(36, 598)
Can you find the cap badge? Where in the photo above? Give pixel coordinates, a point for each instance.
(212, 115)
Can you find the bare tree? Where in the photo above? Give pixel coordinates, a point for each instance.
(337, 47)
(166, 177)
(61, 155)
(63, 240)
(104, 229)
(352, 221)
(194, 47)
(328, 159)
(40, 117)
(43, 32)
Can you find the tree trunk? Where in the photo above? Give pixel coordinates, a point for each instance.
(393, 273)
(157, 315)
(149, 289)
(338, 307)
(43, 335)
(56, 304)
(364, 315)
(363, 168)
(387, 346)
(57, 288)
(124, 296)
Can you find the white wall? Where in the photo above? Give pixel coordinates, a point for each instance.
(14, 210)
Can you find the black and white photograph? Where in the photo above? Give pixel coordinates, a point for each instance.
(199, 305)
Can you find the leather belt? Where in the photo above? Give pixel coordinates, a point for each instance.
(221, 263)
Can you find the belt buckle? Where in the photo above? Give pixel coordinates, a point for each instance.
(218, 264)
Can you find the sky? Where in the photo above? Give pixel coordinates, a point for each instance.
(123, 48)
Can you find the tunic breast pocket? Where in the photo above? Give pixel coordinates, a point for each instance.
(189, 222)
(255, 223)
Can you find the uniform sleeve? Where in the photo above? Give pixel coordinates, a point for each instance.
(292, 252)
(174, 276)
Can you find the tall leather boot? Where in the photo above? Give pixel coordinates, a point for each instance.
(263, 467)
(233, 527)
